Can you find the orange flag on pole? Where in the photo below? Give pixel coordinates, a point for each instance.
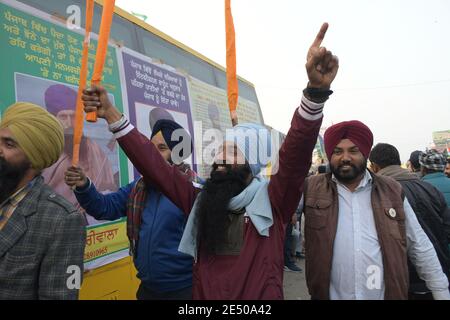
(78, 127)
(232, 82)
(102, 47)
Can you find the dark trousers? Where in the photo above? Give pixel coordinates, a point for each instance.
(288, 259)
(144, 293)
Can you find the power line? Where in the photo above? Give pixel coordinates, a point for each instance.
(425, 83)
(368, 88)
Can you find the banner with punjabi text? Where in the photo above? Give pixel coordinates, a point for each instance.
(40, 62)
(105, 240)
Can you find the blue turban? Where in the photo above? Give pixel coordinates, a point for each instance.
(167, 127)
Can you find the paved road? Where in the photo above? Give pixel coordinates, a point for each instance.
(295, 284)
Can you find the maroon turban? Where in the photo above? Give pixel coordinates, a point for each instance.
(354, 130)
(60, 97)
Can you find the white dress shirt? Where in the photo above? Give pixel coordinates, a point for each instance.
(357, 264)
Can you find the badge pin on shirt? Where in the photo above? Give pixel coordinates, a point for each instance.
(392, 212)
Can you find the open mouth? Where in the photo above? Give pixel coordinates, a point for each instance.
(221, 168)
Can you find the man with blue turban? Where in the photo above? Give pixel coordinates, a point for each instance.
(154, 223)
(236, 224)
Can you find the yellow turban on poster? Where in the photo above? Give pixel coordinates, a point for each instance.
(38, 133)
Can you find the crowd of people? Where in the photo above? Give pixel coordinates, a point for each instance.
(372, 229)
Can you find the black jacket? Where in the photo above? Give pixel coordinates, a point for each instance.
(433, 215)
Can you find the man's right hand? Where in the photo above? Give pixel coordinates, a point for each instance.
(75, 177)
(95, 99)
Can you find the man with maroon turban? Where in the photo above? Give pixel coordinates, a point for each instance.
(360, 228)
(60, 100)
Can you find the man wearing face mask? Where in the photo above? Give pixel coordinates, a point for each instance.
(360, 229)
(154, 223)
(236, 225)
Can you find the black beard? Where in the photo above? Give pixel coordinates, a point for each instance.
(68, 143)
(212, 215)
(351, 175)
(10, 177)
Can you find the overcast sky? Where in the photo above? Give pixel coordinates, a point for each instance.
(394, 57)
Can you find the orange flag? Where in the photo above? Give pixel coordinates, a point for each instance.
(78, 127)
(232, 82)
(102, 47)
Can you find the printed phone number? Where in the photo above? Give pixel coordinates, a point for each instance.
(96, 253)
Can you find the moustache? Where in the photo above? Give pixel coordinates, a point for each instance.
(5, 168)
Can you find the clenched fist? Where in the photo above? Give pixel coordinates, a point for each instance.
(75, 177)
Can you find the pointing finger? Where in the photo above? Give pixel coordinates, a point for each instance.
(319, 38)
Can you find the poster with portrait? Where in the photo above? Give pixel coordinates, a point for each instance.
(98, 150)
(154, 91)
(40, 62)
(210, 111)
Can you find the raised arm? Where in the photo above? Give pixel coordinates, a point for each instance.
(141, 151)
(286, 186)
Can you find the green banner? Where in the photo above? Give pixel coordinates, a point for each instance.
(40, 62)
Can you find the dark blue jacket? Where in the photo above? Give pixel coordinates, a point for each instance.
(161, 267)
